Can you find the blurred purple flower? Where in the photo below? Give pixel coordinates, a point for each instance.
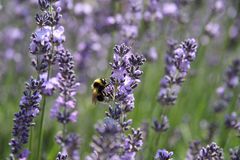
(212, 151)
(153, 11)
(234, 153)
(152, 54)
(82, 9)
(178, 60)
(219, 6)
(212, 30)
(161, 126)
(170, 9)
(61, 156)
(225, 91)
(70, 145)
(163, 154)
(233, 121)
(109, 141)
(10, 39)
(131, 20)
(193, 150)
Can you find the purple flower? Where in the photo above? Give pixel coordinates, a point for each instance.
(23, 120)
(225, 91)
(64, 108)
(61, 156)
(235, 153)
(212, 151)
(92, 51)
(153, 11)
(70, 144)
(163, 154)
(82, 9)
(133, 143)
(109, 141)
(193, 150)
(47, 46)
(212, 29)
(131, 20)
(152, 54)
(232, 121)
(219, 6)
(178, 60)
(128, 156)
(162, 126)
(170, 9)
(124, 78)
(50, 86)
(46, 40)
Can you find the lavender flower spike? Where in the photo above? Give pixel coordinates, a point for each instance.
(108, 143)
(235, 153)
(233, 121)
(125, 76)
(50, 37)
(24, 119)
(61, 156)
(193, 150)
(163, 154)
(225, 91)
(161, 126)
(212, 151)
(178, 61)
(64, 108)
(133, 143)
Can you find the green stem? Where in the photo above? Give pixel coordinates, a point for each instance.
(31, 129)
(39, 151)
(30, 141)
(41, 130)
(40, 140)
(64, 132)
(153, 144)
(224, 131)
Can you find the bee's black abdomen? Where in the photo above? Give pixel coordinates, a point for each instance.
(101, 88)
(100, 98)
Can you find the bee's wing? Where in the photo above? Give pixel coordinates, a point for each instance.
(94, 96)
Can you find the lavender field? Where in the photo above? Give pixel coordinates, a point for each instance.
(120, 80)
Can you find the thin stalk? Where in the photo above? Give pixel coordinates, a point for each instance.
(42, 119)
(157, 136)
(31, 129)
(64, 132)
(40, 140)
(224, 131)
(39, 151)
(30, 141)
(41, 130)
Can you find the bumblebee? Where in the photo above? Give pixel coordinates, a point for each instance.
(98, 87)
